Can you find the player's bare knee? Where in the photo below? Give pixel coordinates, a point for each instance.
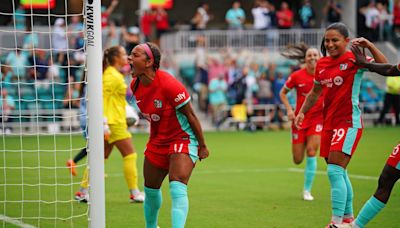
(311, 151)
(297, 160)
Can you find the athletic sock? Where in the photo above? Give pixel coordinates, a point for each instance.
(80, 155)
(180, 203)
(370, 209)
(338, 191)
(348, 210)
(130, 171)
(309, 173)
(152, 204)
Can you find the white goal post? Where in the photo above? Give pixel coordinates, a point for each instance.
(95, 113)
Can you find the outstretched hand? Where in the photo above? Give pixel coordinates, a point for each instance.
(360, 58)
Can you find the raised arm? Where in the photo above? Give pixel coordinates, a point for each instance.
(376, 53)
(311, 98)
(194, 123)
(385, 69)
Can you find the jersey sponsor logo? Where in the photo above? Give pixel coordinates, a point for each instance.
(180, 97)
(338, 80)
(144, 116)
(318, 128)
(343, 66)
(157, 103)
(155, 117)
(327, 82)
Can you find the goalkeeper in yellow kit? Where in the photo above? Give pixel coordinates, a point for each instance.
(114, 102)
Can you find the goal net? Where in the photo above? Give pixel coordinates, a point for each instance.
(44, 59)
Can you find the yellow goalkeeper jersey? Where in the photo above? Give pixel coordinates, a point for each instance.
(114, 92)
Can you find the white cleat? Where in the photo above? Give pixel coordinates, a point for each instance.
(137, 198)
(307, 196)
(343, 225)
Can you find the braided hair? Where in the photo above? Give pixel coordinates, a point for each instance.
(155, 50)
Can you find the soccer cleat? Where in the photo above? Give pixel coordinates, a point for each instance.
(307, 196)
(82, 197)
(348, 220)
(72, 167)
(136, 198)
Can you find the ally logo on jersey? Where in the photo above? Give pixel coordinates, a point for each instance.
(180, 96)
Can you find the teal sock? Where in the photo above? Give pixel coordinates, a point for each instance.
(309, 173)
(338, 189)
(348, 210)
(180, 203)
(370, 209)
(152, 204)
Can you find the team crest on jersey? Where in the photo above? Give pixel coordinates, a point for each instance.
(158, 103)
(343, 66)
(338, 80)
(318, 128)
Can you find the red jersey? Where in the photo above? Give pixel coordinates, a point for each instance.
(104, 19)
(303, 82)
(341, 81)
(159, 103)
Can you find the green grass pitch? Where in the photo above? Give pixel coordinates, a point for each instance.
(249, 180)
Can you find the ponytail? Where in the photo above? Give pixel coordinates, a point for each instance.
(296, 52)
(108, 56)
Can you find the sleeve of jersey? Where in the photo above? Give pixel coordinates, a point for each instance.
(177, 95)
(289, 84)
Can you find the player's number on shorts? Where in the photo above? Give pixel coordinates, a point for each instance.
(338, 134)
(178, 148)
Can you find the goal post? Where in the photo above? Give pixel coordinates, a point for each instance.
(95, 113)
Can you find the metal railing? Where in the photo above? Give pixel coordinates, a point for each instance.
(214, 40)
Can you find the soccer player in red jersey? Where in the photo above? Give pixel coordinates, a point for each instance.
(307, 139)
(391, 171)
(339, 79)
(176, 140)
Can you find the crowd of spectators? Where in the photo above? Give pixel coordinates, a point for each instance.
(227, 78)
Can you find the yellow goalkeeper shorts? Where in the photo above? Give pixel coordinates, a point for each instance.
(118, 132)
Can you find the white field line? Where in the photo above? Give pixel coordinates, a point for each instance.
(354, 176)
(266, 170)
(15, 222)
